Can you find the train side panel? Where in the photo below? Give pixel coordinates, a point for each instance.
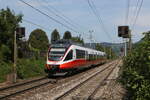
(76, 57)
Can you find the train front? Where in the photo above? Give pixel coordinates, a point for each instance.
(55, 55)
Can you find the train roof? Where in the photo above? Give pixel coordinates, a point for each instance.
(64, 43)
(67, 43)
(88, 49)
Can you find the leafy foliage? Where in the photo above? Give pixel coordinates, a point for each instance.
(99, 47)
(67, 35)
(108, 50)
(55, 36)
(8, 22)
(25, 67)
(77, 39)
(22, 48)
(30, 68)
(4, 53)
(136, 71)
(5, 68)
(38, 40)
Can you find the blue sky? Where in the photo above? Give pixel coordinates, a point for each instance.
(112, 13)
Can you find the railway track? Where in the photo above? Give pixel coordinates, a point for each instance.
(91, 96)
(19, 90)
(66, 93)
(13, 90)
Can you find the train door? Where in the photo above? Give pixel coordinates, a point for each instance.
(86, 55)
(69, 56)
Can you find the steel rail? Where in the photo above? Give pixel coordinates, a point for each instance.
(20, 84)
(78, 85)
(24, 90)
(90, 97)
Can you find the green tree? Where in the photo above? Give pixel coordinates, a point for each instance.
(136, 71)
(108, 50)
(77, 39)
(67, 35)
(99, 47)
(55, 36)
(38, 40)
(8, 22)
(22, 48)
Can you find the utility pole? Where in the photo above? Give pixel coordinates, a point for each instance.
(18, 33)
(91, 31)
(130, 41)
(125, 47)
(104, 49)
(110, 54)
(15, 58)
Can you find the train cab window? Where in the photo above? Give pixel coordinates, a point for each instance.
(69, 55)
(55, 54)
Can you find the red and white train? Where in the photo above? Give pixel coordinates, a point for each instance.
(64, 56)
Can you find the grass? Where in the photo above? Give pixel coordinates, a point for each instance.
(26, 68)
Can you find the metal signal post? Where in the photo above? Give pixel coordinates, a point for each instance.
(130, 41)
(125, 47)
(125, 33)
(18, 33)
(15, 58)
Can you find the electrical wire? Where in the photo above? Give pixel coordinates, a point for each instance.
(138, 12)
(27, 21)
(48, 16)
(95, 11)
(50, 11)
(136, 9)
(59, 12)
(127, 12)
(67, 18)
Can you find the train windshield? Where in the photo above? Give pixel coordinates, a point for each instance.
(56, 54)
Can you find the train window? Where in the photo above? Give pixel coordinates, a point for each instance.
(80, 54)
(69, 55)
(91, 57)
(55, 54)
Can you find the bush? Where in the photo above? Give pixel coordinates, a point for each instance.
(26, 68)
(5, 68)
(30, 68)
(136, 71)
(5, 53)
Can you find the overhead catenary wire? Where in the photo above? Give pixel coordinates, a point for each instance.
(95, 11)
(27, 21)
(135, 11)
(66, 18)
(127, 12)
(51, 11)
(48, 16)
(51, 17)
(138, 12)
(61, 14)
